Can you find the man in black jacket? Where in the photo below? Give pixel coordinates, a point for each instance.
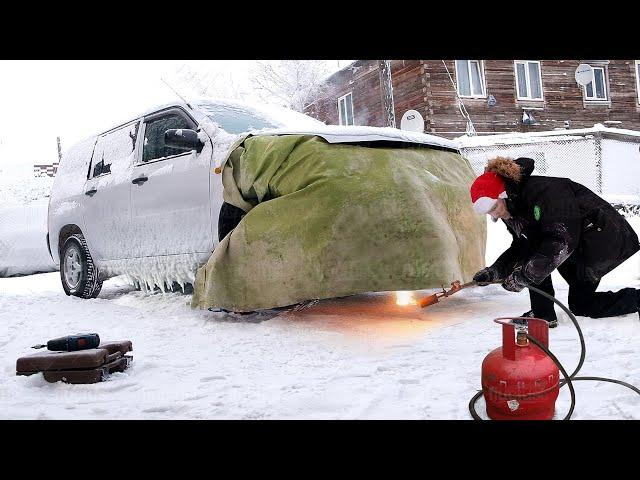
(555, 223)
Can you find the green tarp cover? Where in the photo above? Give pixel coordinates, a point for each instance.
(328, 220)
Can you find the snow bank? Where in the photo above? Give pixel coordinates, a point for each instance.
(533, 137)
(622, 199)
(19, 186)
(23, 245)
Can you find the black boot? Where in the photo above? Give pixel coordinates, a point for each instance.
(551, 322)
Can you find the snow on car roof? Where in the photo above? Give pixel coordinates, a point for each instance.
(276, 116)
(282, 115)
(239, 117)
(353, 134)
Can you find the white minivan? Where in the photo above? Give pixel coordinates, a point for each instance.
(143, 198)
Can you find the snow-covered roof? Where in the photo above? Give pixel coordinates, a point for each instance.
(329, 75)
(352, 134)
(537, 137)
(620, 198)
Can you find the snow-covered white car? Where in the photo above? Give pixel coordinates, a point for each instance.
(143, 198)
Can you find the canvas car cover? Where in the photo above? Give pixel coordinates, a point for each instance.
(327, 220)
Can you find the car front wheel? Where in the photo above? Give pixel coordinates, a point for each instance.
(78, 273)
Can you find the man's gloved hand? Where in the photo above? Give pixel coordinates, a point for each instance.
(486, 275)
(516, 281)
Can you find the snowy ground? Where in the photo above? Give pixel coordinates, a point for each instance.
(358, 357)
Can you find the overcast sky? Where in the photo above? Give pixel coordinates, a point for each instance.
(40, 100)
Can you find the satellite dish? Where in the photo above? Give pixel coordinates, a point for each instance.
(584, 74)
(412, 121)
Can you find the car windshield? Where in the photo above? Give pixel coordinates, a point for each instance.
(236, 119)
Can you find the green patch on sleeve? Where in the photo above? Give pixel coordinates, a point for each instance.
(537, 212)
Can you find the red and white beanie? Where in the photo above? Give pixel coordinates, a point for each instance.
(485, 191)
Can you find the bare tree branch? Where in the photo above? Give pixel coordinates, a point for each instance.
(208, 83)
(291, 83)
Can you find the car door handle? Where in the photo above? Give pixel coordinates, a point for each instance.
(91, 192)
(139, 180)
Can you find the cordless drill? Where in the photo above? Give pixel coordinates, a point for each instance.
(72, 343)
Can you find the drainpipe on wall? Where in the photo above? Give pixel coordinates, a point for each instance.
(386, 93)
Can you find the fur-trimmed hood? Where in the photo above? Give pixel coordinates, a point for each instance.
(514, 170)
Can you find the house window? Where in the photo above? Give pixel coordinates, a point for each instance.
(345, 109)
(638, 79)
(528, 80)
(597, 88)
(470, 78)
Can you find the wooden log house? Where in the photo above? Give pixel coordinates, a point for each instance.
(500, 96)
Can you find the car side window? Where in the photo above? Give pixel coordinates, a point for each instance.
(114, 148)
(154, 146)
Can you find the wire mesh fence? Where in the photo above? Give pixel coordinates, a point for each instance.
(576, 158)
(605, 163)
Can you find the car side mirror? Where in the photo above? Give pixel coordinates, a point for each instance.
(183, 138)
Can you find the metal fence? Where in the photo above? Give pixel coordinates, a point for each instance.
(607, 164)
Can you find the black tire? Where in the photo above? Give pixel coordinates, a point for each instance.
(78, 273)
(229, 218)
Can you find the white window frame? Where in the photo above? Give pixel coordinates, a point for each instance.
(528, 80)
(353, 113)
(637, 65)
(483, 79)
(605, 79)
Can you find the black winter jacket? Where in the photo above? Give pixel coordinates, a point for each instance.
(553, 218)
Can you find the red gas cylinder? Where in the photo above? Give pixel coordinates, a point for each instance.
(519, 380)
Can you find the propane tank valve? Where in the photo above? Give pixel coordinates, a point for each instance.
(521, 338)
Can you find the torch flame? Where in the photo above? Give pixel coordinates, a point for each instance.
(405, 298)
